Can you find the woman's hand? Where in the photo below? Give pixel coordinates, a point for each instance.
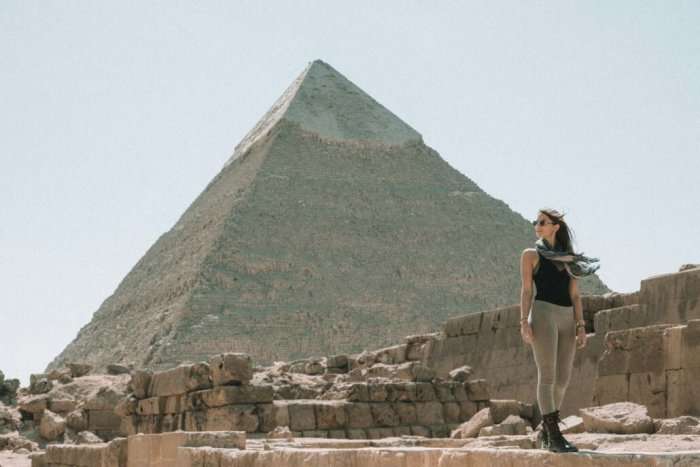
(526, 331)
(581, 337)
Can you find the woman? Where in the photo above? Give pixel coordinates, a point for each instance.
(554, 327)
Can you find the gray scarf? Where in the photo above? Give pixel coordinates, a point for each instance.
(576, 264)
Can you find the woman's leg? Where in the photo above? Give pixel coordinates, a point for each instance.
(566, 352)
(544, 349)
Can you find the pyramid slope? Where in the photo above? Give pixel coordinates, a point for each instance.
(310, 244)
(323, 101)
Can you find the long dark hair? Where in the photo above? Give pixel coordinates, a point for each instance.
(564, 236)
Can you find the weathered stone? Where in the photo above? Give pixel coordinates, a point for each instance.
(383, 414)
(461, 374)
(77, 420)
(477, 390)
(140, 382)
(301, 415)
(273, 415)
(618, 417)
(79, 369)
(227, 395)
(429, 413)
(337, 361)
(116, 369)
(472, 427)
(52, 426)
(180, 380)
(34, 404)
(280, 432)
(330, 414)
(406, 412)
(511, 425)
(683, 425)
(231, 368)
(359, 415)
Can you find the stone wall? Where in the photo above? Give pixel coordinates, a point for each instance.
(653, 365)
(491, 344)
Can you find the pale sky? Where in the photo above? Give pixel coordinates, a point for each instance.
(115, 115)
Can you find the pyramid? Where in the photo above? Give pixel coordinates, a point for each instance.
(331, 229)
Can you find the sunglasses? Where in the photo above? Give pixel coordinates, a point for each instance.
(541, 223)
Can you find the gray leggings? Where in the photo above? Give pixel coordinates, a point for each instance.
(554, 349)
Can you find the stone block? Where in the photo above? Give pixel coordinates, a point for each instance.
(359, 415)
(649, 389)
(330, 414)
(231, 368)
(677, 402)
(425, 392)
(611, 388)
(140, 382)
(273, 415)
(406, 412)
(673, 347)
(429, 413)
(467, 409)
(228, 395)
(477, 390)
(103, 420)
(239, 417)
(180, 380)
(383, 414)
(451, 412)
(302, 415)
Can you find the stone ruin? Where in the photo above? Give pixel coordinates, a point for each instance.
(432, 400)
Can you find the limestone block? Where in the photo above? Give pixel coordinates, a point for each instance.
(384, 415)
(406, 412)
(140, 382)
(611, 388)
(690, 344)
(673, 347)
(227, 395)
(315, 434)
(649, 389)
(74, 455)
(302, 415)
(467, 409)
(439, 431)
(425, 392)
(461, 374)
(239, 417)
(400, 392)
(378, 433)
(150, 406)
(127, 406)
(682, 425)
(359, 415)
(62, 405)
(78, 370)
(572, 424)
(103, 420)
(618, 417)
(393, 355)
(444, 391)
(429, 413)
(357, 433)
(34, 404)
(503, 408)
(511, 425)
(419, 430)
(477, 390)
(677, 402)
(273, 415)
(330, 414)
(377, 392)
(77, 420)
(52, 426)
(180, 380)
(471, 428)
(451, 412)
(337, 361)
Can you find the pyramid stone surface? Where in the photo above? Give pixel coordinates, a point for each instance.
(332, 228)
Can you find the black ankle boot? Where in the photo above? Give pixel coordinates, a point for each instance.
(557, 442)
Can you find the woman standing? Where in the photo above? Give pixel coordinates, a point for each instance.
(554, 327)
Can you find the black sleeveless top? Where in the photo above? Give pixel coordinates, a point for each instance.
(552, 284)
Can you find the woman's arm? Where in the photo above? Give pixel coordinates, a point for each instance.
(576, 299)
(526, 260)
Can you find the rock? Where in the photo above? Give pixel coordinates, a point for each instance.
(231, 368)
(126, 406)
(77, 420)
(502, 408)
(461, 374)
(79, 369)
(337, 361)
(314, 366)
(14, 441)
(52, 426)
(60, 375)
(477, 390)
(472, 427)
(116, 369)
(683, 425)
(281, 432)
(511, 425)
(34, 404)
(572, 424)
(140, 380)
(39, 384)
(180, 380)
(686, 267)
(88, 437)
(617, 417)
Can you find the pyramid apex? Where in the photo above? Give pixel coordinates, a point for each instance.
(323, 101)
